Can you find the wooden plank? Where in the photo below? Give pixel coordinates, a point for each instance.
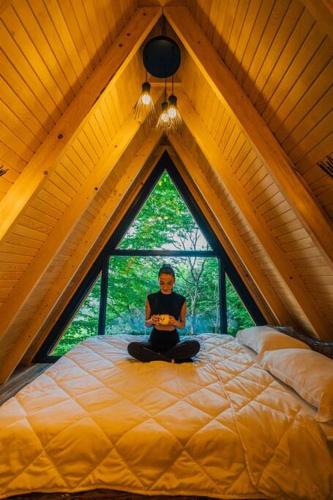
(4, 4)
(322, 11)
(19, 86)
(9, 159)
(16, 239)
(106, 74)
(265, 53)
(18, 47)
(277, 256)
(278, 58)
(311, 120)
(249, 24)
(18, 126)
(43, 59)
(86, 252)
(228, 91)
(313, 138)
(313, 84)
(262, 17)
(15, 143)
(308, 42)
(236, 32)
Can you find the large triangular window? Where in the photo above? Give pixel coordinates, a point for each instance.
(164, 226)
(164, 222)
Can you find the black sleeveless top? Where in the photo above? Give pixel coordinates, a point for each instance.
(162, 303)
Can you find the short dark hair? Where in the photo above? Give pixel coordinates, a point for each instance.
(166, 269)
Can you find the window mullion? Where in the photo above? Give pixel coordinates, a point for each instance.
(103, 297)
(223, 298)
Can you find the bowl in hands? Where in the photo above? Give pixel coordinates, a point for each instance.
(164, 319)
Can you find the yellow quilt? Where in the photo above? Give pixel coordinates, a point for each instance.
(219, 427)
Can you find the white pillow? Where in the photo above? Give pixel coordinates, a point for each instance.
(265, 338)
(308, 372)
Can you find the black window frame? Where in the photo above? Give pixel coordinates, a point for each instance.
(101, 264)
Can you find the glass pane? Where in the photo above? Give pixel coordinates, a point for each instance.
(131, 279)
(84, 323)
(238, 315)
(164, 222)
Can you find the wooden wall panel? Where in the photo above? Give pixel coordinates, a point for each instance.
(255, 247)
(72, 171)
(49, 50)
(262, 192)
(282, 57)
(73, 241)
(82, 239)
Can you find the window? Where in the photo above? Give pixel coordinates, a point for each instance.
(85, 322)
(131, 279)
(167, 229)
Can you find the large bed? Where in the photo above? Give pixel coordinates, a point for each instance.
(220, 427)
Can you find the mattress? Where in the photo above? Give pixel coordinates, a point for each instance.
(219, 427)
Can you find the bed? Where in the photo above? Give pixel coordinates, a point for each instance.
(220, 427)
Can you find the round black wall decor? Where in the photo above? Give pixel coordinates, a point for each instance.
(161, 56)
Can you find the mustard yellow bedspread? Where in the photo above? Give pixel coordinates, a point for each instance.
(220, 427)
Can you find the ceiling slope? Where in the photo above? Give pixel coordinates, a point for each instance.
(72, 192)
(31, 292)
(199, 182)
(102, 79)
(235, 100)
(282, 59)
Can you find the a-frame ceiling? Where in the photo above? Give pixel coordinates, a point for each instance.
(255, 94)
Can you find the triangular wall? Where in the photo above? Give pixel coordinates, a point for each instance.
(252, 161)
(163, 167)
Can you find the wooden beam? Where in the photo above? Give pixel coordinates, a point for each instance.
(65, 226)
(96, 238)
(322, 11)
(269, 150)
(4, 4)
(104, 76)
(272, 307)
(66, 278)
(286, 270)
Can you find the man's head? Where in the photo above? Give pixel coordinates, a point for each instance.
(166, 278)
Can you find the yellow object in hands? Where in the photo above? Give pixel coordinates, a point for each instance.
(164, 319)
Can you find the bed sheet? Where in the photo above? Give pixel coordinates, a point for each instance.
(221, 427)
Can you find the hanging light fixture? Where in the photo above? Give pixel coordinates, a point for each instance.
(161, 58)
(164, 121)
(173, 112)
(144, 107)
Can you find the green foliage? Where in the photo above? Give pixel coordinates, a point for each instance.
(164, 222)
(85, 322)
(238, 316)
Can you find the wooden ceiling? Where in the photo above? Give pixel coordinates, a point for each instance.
(256, 97)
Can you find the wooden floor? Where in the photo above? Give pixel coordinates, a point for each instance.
(99, 495)
(104, 495)
(20, 378)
